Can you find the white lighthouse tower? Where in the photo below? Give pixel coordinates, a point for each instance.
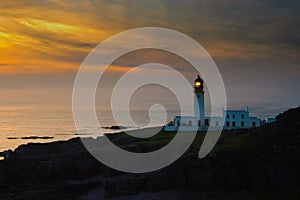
(199, 110)
(230, 120)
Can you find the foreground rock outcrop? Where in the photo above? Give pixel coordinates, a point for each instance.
(256, 163)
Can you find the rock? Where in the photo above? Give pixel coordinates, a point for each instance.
(65, 169)
(124, 186)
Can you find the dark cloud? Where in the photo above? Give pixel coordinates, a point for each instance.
(255, 43)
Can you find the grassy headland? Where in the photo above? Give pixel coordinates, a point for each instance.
(259, 163)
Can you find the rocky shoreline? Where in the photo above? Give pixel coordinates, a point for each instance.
(259, 163)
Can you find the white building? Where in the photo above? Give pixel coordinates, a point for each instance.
(230, 119)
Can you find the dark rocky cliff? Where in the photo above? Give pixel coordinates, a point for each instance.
(260, 163)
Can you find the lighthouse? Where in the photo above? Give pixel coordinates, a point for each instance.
(230, 119)
(199, 110)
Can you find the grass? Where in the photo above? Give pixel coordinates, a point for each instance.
(237, 143)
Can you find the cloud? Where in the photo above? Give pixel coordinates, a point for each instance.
(58, 29)
(254, 43)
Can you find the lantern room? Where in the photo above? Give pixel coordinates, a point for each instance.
(198, 85)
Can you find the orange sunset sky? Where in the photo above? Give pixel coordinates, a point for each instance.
(255, 44)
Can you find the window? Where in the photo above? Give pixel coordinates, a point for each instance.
(233, 116)
(242, 123)
(217, 123)
(242, 116)
(206, 122)
(253, 124)
(227, 116)
(233, 123)
(199, 123)
(190, 123)
(227, 124)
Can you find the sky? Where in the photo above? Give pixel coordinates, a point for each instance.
(255, 44)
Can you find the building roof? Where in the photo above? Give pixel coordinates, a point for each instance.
(235, 111)
(185, 117)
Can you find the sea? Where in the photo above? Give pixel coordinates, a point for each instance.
(22, 124)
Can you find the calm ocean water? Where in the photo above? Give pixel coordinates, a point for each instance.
(18, 124)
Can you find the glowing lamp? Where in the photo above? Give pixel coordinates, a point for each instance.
(197, 84)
